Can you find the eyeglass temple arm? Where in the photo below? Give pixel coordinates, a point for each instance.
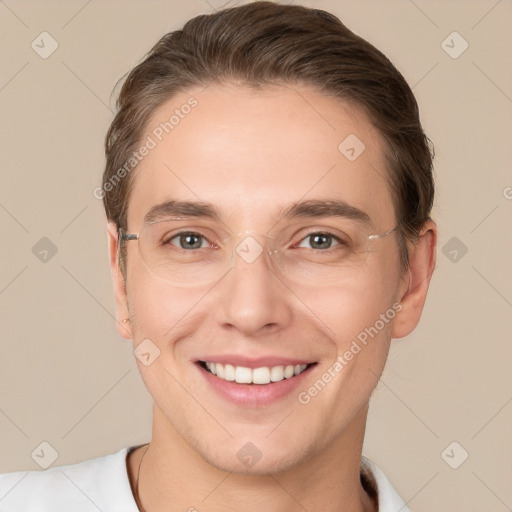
(127, 236)
(382, 235)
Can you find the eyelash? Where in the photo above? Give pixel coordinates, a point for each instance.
(339, 240)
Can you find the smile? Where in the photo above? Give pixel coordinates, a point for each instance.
(244, 375)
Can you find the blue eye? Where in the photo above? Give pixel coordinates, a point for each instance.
(321, 240)
(192, 241)
(189, 240)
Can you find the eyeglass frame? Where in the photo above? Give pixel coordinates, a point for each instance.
(127, 237)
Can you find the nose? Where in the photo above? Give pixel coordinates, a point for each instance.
(253, 297)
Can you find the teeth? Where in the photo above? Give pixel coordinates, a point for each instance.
(289, 371)
(263, 375)
(229, 372)
(242, 375)
(277, 373)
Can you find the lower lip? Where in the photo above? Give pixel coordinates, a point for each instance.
(254, 395)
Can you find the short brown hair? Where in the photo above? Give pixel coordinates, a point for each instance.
(263, 43)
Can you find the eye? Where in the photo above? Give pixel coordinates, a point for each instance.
(321, 240)
(189, 240)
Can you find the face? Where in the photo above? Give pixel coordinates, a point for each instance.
(251, 155)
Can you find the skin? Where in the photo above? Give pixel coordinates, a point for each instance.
(250, 153)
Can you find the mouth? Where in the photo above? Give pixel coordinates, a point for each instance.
(258, 376)
(254, 382)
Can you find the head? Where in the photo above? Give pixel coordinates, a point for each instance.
(249, 113)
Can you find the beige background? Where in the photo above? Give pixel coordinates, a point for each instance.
(67, 378)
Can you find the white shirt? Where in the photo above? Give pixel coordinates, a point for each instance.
(102, 484)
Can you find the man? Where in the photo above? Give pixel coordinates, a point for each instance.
(268, 192)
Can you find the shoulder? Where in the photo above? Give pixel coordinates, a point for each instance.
(379, 487)
(94, 484)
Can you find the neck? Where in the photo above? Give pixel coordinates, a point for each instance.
(174, 472)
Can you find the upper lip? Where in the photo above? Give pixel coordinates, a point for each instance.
(254, 362)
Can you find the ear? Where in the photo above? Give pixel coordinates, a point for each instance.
(413, 289)
(122, 312)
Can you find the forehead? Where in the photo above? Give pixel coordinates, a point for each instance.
(251, 153)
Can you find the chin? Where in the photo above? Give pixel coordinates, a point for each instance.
(256, 458)
(263, 467)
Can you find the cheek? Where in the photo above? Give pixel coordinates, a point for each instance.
(160, 319)
(350, 307)
(167, 316)
(362, 321)
(158, 308)
(358, 315)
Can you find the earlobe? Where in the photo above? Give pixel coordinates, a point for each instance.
(414, 288)
(122, 312)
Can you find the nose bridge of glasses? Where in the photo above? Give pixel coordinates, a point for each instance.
(250, 245)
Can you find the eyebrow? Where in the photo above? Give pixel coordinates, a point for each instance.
(174, 208)
(312, 208)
